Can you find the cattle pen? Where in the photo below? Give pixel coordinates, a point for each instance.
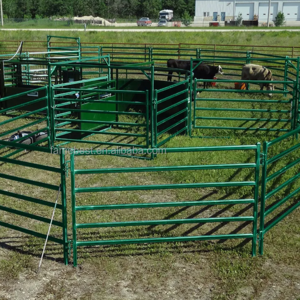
(201, 173)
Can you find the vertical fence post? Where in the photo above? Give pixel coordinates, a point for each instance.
(64, 204)
(154, 132)
(50, 107)
(256, 193)
(99, 61)
(73, 197)
(193, 94)
(286, 67)
(297, 119)
(263, 197)
(148, 142)
(248, 61)
(188, 84)
(294, 106)
(150, 53)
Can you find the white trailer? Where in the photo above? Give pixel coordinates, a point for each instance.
(166, 14)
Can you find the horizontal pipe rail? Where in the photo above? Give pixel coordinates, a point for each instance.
(164, 222)
(163, 186)
(166, 239)
(167, 168)
(162, 204)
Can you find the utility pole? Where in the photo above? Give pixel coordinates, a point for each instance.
(1, 11)
(269, 8)
(233, 6)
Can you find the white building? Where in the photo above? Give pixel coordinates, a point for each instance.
(225, 10)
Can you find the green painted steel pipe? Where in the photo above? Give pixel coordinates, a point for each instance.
(103, 101)
(283, 154)
(170, 137)
(30, 165)
(32, 146)
(242, 128)
(244, 109)
(172, 96)
(73, 197)
(241, 91)
(168, 168)
(282, 217)
(103, 132)
(163, 186)
(30, 199)
(178, 150)
(22, 105)
(23, 116)
(242, 100)
(171, 106)
(242, 119)
(172, 126)
(172, 116)
(283, 170)
(28, 181)
(283, 137)
(27, 231)
(103, 90)
(163, 204)
(30, 216)
(98, 79)
(22, 127)
(101, 143)
(102, 122)
(164, 222)
(63, 167)
(166, 239)
(281, 202)
(280, 187)
(256, 198)
(23, 94)
(102, 111)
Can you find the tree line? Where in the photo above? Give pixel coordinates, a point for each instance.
(125, 9)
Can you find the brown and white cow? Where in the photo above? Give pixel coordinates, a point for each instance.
(260, 73)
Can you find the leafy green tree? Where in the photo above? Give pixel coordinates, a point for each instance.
(151, 8)
(239, 19)
(280, 19)
(9, 8)
(22, 9)
(186, 18)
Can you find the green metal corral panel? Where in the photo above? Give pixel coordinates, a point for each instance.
(133, 85)
(9, 91)
(97, 116)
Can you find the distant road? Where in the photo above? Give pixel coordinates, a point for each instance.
(151, 30)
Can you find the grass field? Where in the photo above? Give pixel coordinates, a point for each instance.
(215, 270)
(235, 38)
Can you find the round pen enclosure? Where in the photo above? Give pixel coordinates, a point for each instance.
(72, 109)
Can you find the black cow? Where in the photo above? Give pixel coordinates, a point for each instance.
(202, 71)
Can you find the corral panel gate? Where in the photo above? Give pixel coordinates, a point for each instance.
(92, 189)
(280, 181)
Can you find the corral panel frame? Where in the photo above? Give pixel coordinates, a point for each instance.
(254, 201)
